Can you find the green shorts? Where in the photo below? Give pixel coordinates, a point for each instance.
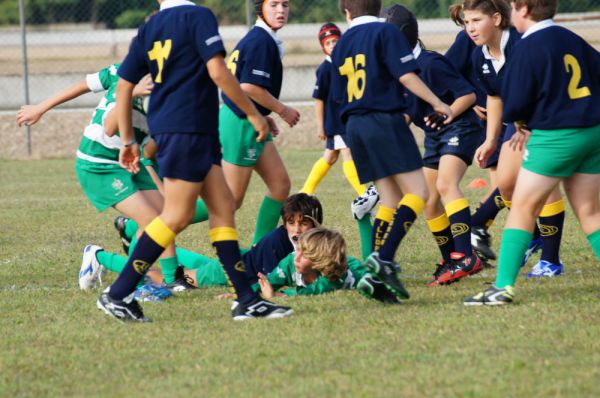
(563, 152)
(105, 185)
(238, 139)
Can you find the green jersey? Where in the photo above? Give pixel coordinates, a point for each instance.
(96, 146)
(285, 275)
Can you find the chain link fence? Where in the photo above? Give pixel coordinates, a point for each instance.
(47, 45)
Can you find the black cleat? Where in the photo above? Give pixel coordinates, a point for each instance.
(120, 222)
(127, 310)
(480, 240)
(386, 272)
(258, 309)
(372, 288)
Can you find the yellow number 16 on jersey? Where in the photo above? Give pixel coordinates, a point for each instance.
(356, 74)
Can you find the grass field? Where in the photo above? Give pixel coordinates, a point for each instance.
(54, 342)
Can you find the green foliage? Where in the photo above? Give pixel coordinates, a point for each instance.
(130, 19)
(56, 343)
(228, 11)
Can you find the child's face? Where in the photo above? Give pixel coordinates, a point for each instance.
(329, 44)
(302, 264)
(276, 13)
(480, 27)
(296, 225)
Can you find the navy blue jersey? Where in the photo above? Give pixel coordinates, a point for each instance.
(256, 60)
(490, 80)
(174, 46)
(445, 82)
(368, 61)
(459, 54)
(268, 252)
(333, 123)
(553, 86)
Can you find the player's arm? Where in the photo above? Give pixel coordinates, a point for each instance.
(223, 78)
(261, 96)
(412, 82)
(29, 114)
(129, 155)
(320, 114)
(493, 130)
(143, 88)
(462, 104)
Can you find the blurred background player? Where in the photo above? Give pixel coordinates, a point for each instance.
(449, 150)
(488, 24)
(256, 62)
(372, 62)
(551, 92)
(331, 130)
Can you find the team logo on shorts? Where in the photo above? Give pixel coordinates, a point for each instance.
(117, 184)
(239, 266)
(525, 155)
(454, 141)
(548, 230)
(441, 240)
(140, 266)
(251, 154)
(459, 229)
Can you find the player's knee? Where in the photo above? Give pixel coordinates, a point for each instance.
(281, 190)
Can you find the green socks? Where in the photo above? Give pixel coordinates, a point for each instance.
(513, 245)
(365, 231)
(594, 239)
(267, 219)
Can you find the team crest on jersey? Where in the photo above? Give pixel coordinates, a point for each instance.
(486, 69)
(459, 229)
(454, 141)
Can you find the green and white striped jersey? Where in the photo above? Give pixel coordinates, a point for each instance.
(96, 146)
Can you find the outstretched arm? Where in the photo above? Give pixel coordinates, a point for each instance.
(412, 82)
(28, 115)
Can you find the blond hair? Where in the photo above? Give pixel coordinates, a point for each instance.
(326, 249)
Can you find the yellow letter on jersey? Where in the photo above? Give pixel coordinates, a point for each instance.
(232, 61)
(160, 53)
(575, 92)
(357, 76)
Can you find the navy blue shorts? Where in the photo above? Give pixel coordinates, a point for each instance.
(187, 157)
(460, 138)
(382, 145)
(508, 130)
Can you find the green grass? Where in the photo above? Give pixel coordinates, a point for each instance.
(54, 342)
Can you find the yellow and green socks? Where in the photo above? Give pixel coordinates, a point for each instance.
(318, 171)
(551, 221)
(408, 209)
(380, 225)
(440, 228)
(267, 219)
(225, 241)
(153, 241)
(513, 245)
(352, 176)
(460, 224)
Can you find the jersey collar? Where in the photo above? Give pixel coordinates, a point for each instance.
(175, 3)
(546, 23)
(262, 24)
(498, 63)
(328, 58)
(363, 20)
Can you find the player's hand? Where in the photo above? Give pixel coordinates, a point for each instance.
(290, 115)
(444, 109)
(129, 158)
(520, 138)
(225, 296)
(266, 289)
(272, 126)
(261, 126)
(28, 115)
(435, 120)
(144, 87)
(483, 153)
(150, 149)
(321, 134)
(481, 112)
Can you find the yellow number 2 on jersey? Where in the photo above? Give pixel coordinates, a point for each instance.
(572, 65)
(356, 74)
(160, 53)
